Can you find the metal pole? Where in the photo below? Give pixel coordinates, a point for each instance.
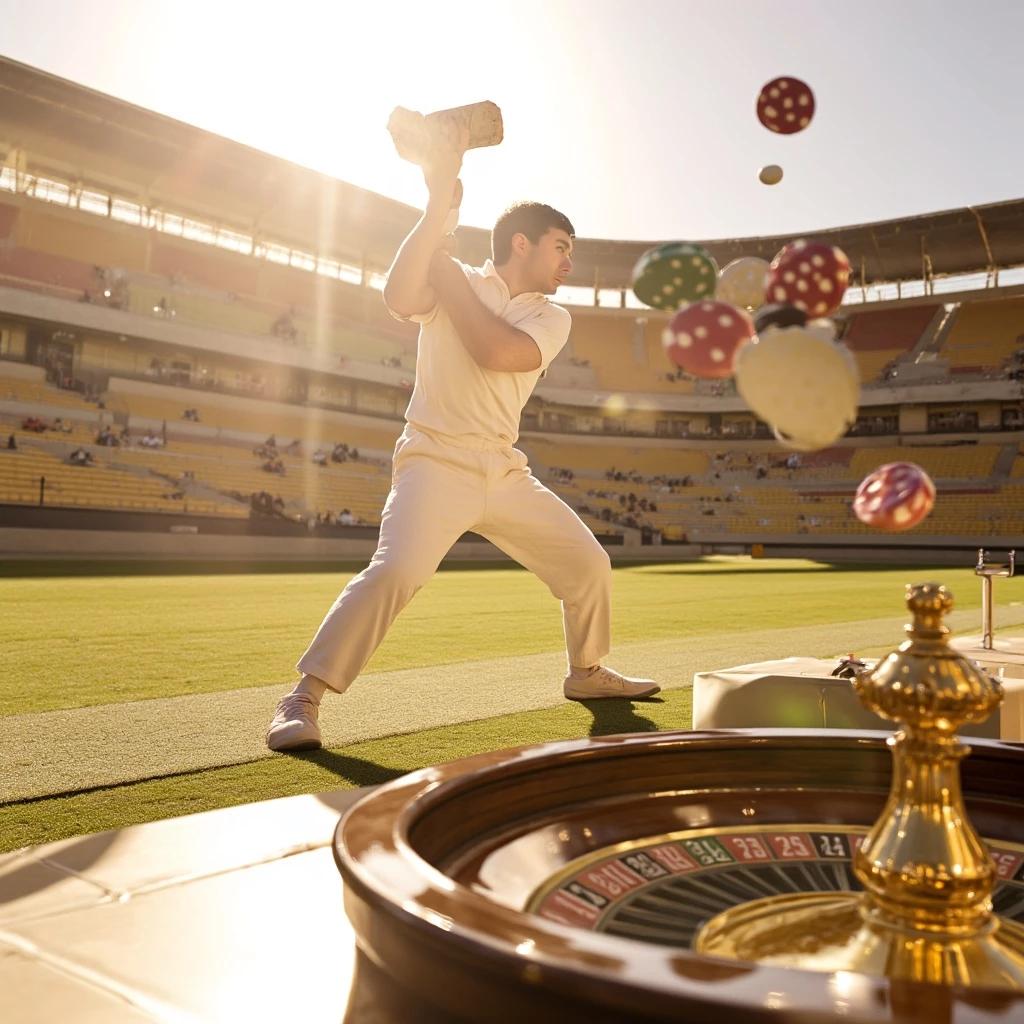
(986, 612)
(42, 489)
(987, 574)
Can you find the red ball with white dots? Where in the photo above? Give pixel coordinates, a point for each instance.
(785, 105)
(809, 275)
(703, 337)
(897, 496)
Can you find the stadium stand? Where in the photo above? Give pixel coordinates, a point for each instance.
(1017, 469)
(879, 337)
(580, 458)
(985, 334)
(22, 267)
(626, 353)
(259, 270)
(18, 389)
(968, 462)
(94, 485)
(167, 404)
(688, 493)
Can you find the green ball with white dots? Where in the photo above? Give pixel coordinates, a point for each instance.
(669, 276)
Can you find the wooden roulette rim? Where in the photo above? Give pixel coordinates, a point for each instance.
(439, 864)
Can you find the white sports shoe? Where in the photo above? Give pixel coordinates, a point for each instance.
(606, 682)
(295, 725)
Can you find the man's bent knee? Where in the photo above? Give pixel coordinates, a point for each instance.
(401, 574)
(591, 569)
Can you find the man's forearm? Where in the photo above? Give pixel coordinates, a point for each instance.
(477, 327)
(410, 272)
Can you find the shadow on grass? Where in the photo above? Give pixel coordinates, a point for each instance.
(612, 716)
(355, 770)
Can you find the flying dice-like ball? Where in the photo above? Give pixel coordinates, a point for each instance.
(785, 105)
(770, 174)
(669, 276)
(896, 496)
(809, 275)
(742, 282)
(703, 338)
(798, 380)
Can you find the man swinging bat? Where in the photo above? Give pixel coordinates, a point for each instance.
(486, 335)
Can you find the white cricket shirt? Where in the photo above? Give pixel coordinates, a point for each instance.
(455, 396)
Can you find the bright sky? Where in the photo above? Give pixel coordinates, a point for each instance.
(634, 117)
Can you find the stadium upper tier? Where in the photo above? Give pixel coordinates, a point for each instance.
(61, 132)
(75, 256)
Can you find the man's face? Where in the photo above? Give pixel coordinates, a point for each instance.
(549, 262)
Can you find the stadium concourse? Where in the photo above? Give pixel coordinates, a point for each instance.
(189, 374)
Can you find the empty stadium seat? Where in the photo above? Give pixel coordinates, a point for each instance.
(985, 333)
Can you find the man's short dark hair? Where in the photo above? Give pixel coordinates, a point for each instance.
(531, 219)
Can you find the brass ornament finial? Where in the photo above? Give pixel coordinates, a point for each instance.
(923, 865)
(926, 684)
(926, 911)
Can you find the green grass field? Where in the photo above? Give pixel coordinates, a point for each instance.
(80, 641)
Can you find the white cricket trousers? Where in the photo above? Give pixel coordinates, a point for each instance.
(442, 487)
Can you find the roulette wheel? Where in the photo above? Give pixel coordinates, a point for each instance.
(769, 875)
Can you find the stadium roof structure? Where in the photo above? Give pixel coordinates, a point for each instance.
(50, 126)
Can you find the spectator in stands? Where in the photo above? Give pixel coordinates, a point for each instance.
(284, 326)
(319, 458)
(346, 518)
(80, 457)
(295, 448)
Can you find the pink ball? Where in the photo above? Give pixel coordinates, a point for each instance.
(895, 497)
(703, 337)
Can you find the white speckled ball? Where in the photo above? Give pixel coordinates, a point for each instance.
(741, 282)
(801, 382)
